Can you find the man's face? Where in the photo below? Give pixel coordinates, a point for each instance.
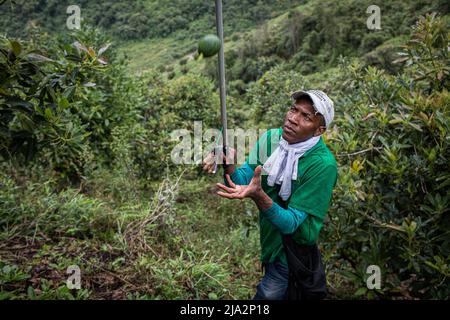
(301, 123)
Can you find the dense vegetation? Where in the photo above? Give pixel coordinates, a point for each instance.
(140, 19)
(313, 36)
(85, 170)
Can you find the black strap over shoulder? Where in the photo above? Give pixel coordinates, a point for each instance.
(307, 279)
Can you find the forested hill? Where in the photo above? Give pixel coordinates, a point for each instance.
(161, 34)
(141, 19)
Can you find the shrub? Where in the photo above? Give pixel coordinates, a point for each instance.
(58, 107)
(35, 209)
(391, 202)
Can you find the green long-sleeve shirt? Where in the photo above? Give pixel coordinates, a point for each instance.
(303, 213)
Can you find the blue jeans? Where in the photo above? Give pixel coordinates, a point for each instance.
(274, 284)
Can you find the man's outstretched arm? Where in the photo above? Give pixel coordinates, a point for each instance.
(242, 175)
(287, 220)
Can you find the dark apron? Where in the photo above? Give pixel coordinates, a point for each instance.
(306, 272)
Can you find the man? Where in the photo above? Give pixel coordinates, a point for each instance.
(294, 193)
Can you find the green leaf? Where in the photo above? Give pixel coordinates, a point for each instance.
(371, 295)
(64, 103)
(361, 291)
(103, 49)
(212, 296)
(27, 123)
(80, 46)
(16, 47)
(31, 293)
(17, 102)
(39, 58)
(48, 113)
(415, 126)
(68, 93)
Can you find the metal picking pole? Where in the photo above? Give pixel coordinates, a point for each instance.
(222, 87)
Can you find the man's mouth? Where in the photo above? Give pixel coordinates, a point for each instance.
(288, 129)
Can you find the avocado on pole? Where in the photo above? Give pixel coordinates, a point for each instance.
(209, 45)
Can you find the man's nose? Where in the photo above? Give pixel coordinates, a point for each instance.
(292, 121)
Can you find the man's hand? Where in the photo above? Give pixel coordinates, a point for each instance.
(253, 190)
(242, 191)
(230, 160)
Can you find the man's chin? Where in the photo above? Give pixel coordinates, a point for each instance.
(286, 136)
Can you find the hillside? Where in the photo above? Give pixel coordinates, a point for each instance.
(288, 38)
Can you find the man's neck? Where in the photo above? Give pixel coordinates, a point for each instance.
(300, 140)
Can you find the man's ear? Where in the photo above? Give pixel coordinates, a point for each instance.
(319, 131)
